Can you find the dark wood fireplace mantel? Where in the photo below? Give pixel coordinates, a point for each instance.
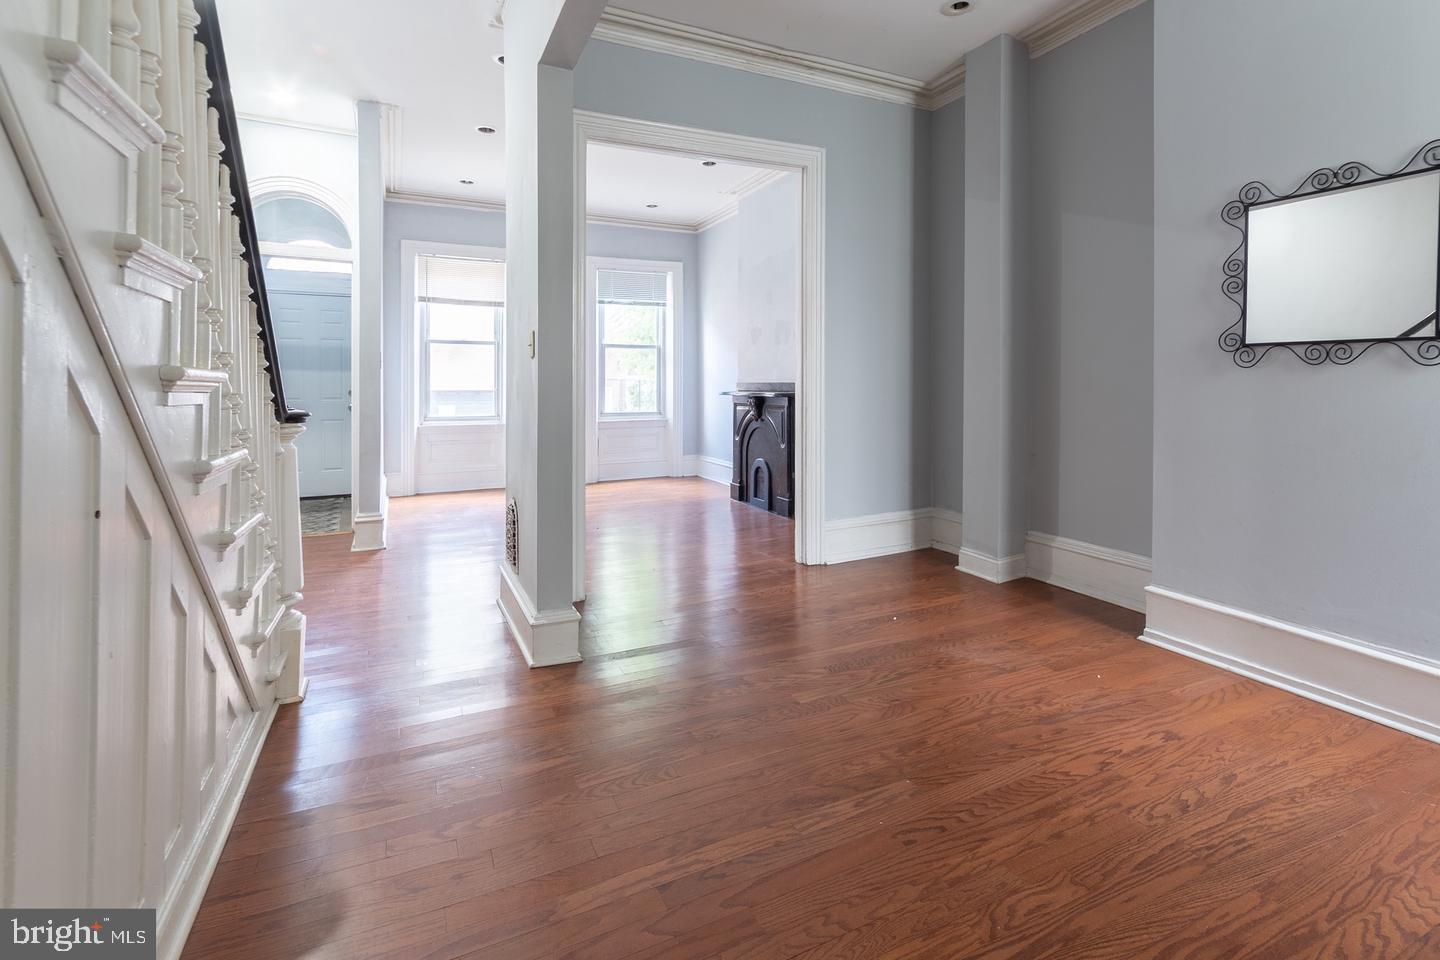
(763, 466)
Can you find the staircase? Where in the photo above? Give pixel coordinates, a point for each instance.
(150, 562)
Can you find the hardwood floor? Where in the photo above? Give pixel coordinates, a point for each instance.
(757, 760)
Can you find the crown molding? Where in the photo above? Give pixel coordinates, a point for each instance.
(614, 221)
(1065, 25)
(741, 190)
(434, 200)
(759, 181)
(659, 35)
(296, 124)
(946, 88)
(498, 206)
(719, 216)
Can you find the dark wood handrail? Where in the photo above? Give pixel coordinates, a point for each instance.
(209, 35)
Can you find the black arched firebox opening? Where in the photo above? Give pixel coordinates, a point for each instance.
(763, 468)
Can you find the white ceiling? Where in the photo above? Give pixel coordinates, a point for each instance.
(308, 62)
(619, 182)
(908, 38)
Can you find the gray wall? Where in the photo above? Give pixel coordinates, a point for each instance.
(1091, 271)
(947, 274)
(878, 430)
(1295, 492)
(768, 338)
(719, 305)
(749, 304)
(415, 221)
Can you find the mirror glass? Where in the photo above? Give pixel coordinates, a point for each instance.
(1356, 264)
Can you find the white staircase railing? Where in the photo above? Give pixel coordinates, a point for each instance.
(150, 561)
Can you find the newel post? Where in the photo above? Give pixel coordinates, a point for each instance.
(285, 502)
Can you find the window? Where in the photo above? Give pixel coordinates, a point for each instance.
(460, 307)
(631, 309)
(299, 235)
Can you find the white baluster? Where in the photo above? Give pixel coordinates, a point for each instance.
(210, 221)
(192, 162)
(242, 310)
(200, 210)
(124, 50)
(149, 200)
(225, 296)
(95, 17)
(172, 112)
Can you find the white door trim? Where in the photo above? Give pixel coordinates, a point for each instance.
(671, 350)
(410, 347)
(810, 389)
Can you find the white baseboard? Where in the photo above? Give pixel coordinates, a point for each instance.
(945, 526)
(712, 468)
(1110, 575)
(1380, 685)
(877, 535)
(199, 866)
(883, 534)
(544, 639)
(994, 569)
(632, 470)
(369, 532)
(460, 482)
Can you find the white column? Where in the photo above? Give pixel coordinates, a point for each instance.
(369, 502)
(542, 43)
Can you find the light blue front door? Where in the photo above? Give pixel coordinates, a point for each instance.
(311, 314)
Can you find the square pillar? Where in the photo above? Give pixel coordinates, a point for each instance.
(996, 170)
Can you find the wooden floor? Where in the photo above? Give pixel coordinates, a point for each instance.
(757, 760)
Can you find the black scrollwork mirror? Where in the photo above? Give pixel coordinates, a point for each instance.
(1347, 260)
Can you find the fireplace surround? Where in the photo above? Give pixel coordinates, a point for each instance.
(763, 462)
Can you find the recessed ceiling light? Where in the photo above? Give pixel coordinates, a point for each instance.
(953, 8)
(652, 206)
(484, 129)
(707, 163)
(499, 58)
(468, 182)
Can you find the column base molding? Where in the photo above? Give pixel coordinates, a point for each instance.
(369, 530)
(994, 569)
(545, 639)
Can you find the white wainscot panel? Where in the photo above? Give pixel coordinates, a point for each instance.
(632, 449)
(459, 456)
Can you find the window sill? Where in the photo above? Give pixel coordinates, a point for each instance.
(488, 422)
(621, 419)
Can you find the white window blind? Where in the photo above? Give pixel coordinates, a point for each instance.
(461, 280)
(633, 286)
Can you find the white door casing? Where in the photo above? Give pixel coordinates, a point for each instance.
(809, 161)
(631, 448)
